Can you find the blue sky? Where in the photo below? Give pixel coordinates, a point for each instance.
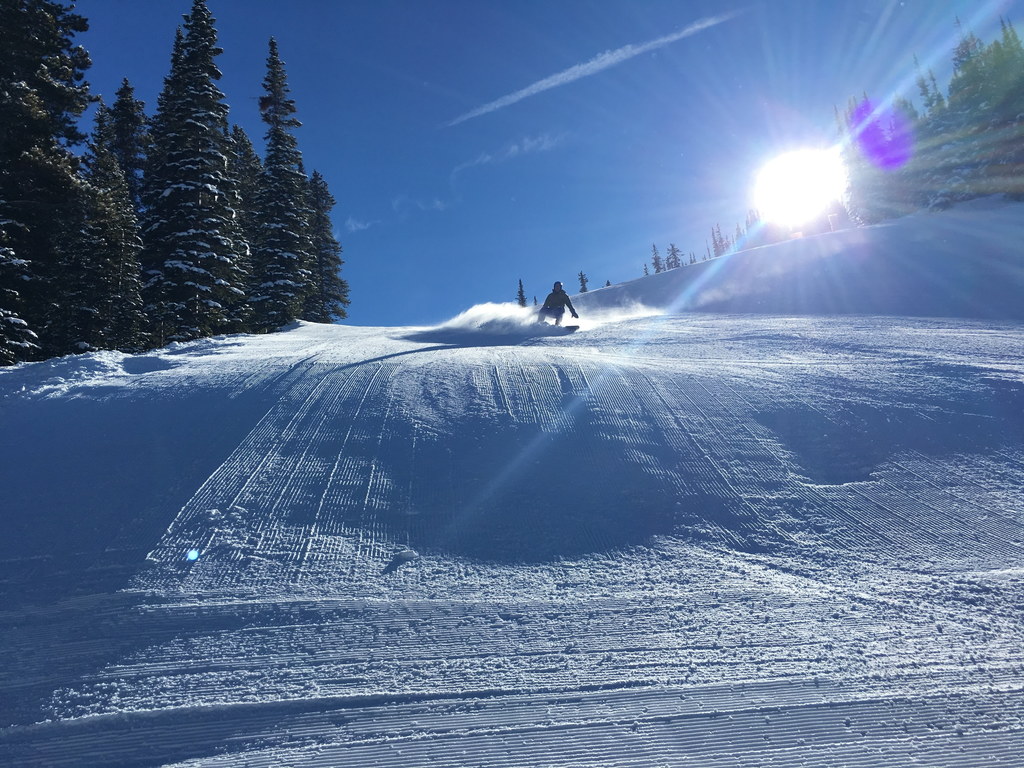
(473, 143)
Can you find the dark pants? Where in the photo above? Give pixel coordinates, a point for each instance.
(555, 312)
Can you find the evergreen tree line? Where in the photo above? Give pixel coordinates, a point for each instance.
(163, 228)
(964, 143)
(754, 233)
(674, 258)
(718, 245)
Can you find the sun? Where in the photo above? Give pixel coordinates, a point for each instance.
(794, 188)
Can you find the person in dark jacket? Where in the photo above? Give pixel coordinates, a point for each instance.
(555, 305)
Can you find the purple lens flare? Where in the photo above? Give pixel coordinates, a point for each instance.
(883, 134)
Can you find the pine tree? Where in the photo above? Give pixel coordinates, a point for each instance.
(875, 187)
(238, 313)
(244, 177)
(99, 270)
(521, 295)
(940, 100)
(646, 271)
(583, 281)
(965, 118)
(1011, 110)
(281, 270)
(656, 261)
(130, 143)
(931, 96)
(42, 93)
(997, 122)
(673, 259)
(17, 340)
(607, 283)
(194, 257)
(966, 49)
(716, 241)
(246, 170)
(328, 294)
(113, 225)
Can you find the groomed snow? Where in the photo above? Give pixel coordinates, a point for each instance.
(752, 513)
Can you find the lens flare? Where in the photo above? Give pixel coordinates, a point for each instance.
(798, 186)
(883, 135)
(193, 555)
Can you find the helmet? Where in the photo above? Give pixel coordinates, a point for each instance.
(558, 285)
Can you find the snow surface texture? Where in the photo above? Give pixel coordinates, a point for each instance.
(669, 539)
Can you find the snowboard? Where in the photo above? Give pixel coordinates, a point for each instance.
(558, 330)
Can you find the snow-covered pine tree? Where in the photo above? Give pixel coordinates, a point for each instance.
(193, 255)
(130, 143)
(114, 225)
(282, 259)
(159, 208)
(17, 340)
(238, 318)
(583, 281)
(521, 295)
(42, 93)
(246, 170)
(101, 304)
(328, 295)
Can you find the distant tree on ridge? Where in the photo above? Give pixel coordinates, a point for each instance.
(521, 295)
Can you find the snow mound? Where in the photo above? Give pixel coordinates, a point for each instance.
(62, 376)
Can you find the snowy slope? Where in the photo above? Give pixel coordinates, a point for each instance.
(965, 262)
(669, 539)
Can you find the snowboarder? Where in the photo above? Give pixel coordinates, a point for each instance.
(400, 558)
(555, 304)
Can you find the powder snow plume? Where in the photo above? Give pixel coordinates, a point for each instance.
(508, 323)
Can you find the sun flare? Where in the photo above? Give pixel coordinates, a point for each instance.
(794, 188)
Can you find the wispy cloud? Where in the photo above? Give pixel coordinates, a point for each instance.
(528, 145)
(352, 224)
(597, 64)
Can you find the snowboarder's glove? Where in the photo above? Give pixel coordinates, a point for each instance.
(577, 317)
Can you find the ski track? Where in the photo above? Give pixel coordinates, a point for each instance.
(688, 585)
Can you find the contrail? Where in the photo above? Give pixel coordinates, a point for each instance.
(597, 64)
